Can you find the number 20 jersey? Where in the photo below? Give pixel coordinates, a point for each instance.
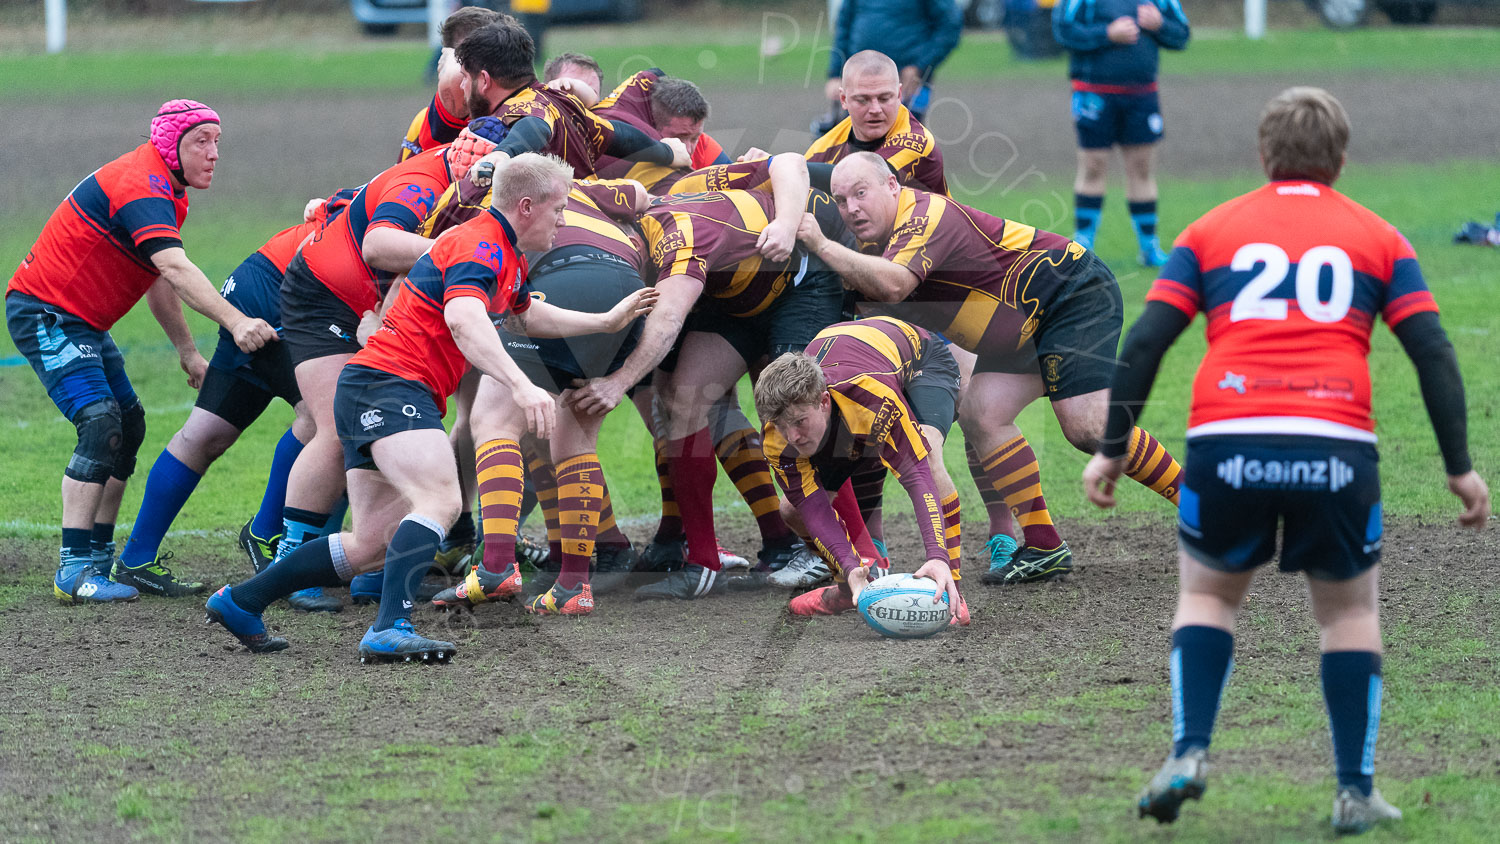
(1290, 277)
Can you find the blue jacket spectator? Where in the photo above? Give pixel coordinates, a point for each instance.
(1080, 26)
(914, 33)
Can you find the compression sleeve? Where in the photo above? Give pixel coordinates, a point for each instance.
(631, 144)
(1159, 326)
(1427, 345)
(820, 175)
(529, 134)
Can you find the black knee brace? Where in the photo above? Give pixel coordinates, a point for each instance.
(99, 437)
(132, 434)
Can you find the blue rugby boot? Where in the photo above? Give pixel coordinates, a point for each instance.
(78, 582)
(245, 626)
(1002, 546)
(313, 600)
(1181, 779)
(401, 643)
(365, 589)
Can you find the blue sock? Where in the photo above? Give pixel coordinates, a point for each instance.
(335, 521)
(1351, 688)
(102, 546)
(1086, 212)
(318, 562)
(1143, 218)
(167, 489)
(1202, 659)
(407, 558)
(77, 547)
(298, 526)
(267, 521)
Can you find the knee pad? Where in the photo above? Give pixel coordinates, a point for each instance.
(132, 434)
(99, 436)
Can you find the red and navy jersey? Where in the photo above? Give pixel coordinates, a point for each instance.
(283, 245)
(630, 102)
(400, 198)
(479, 259)
(431, 128)
(1291, 277)
(93, 257)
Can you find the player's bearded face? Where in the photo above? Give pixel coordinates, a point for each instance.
(199, 153)
(474, 102)
(872, 100)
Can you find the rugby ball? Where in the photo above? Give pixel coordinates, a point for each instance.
(901, 606)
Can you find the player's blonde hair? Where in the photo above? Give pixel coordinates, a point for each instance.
(1303, 134)
(792, 379)
(540, 177)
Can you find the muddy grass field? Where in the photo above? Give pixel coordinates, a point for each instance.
(726, 719)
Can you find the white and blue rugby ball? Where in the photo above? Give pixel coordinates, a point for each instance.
(902, 606)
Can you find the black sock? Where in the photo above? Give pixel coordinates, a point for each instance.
(77, 546)
(1351, 688)
(407, 558)
(462, 532)
(102, 546)
(308, 566)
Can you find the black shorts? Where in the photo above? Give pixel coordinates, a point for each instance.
(579, 279)
(787, 325)
(370, 405)
(1079, 336)
(316, 323)
(1103, 120)
(239, 396)
(1325, 494)
(933, 388)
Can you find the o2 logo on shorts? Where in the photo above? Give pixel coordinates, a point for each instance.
(159, 185)
(410, 411)
(488, 254)
(419, 199)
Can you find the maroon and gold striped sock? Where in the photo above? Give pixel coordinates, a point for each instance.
(500, 490)
(1013, 472)
(994, 503)
(609, 531)
(580, 497)
(952, 531)
(544, 484)
(1151, 466)
(669, 529)
(744, 462)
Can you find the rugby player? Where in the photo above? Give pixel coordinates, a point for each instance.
(1291, 278)
(662, 107)
(870, 90)
(448, 113)
(391, 399)
(871, 390)
(115, 238)
(1042, 313)
(724, 256)
(237, 389)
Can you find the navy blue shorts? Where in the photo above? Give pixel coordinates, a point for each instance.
(370, 405)
(77, 363)
(1324, 493)
(1104, 120)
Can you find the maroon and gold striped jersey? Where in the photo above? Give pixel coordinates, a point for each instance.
(579, 136)
(909, 148)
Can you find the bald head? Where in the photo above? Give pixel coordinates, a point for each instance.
(870, 63)
(862, 165)
(870, 91)
(865, 192)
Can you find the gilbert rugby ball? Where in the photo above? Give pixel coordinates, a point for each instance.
(901, 606)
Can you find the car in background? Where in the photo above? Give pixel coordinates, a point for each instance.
(1349, 14)
(382, 17)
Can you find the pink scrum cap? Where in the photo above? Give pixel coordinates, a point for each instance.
(173, 120)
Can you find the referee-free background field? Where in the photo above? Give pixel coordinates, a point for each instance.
(726, 719)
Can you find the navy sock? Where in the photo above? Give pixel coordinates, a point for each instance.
(77, 546)
(102, 546)
(462, 532)
(1351, 688)
(1086, 212)
(267, 521)
(335, 521)
(1143, 218)
(298, 526)
(1202, 659)
(319, 562)
(167, 489)
(407, 559)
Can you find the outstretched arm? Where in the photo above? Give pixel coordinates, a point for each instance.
(789, 186)
(547, 320)
(474, 334)
(167, 309)
(875, 277)
(194, 288)
(600, 395)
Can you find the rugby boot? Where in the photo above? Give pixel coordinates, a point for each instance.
(1152, 256)
(685, 584)
(452, 555)
(245, 626)
(805, 568)
(1032, 565)
(365, 589)
(314, 600)
(663, 556)
(401, 643)
(775, 556)
(612, 565)
(560, 601)
(529, 552)
(826, 601)
(728, 560)
(81, 583)
(1180, 779)
(1354, 813)
(154, 578)
(1001, 546)
(478, 586)
(262, 552)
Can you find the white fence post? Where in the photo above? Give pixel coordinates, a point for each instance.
(57, 25)
(1255, 19)
(437, 10)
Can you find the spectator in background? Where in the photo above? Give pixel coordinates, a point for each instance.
(1112, 61)
(917, 34)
